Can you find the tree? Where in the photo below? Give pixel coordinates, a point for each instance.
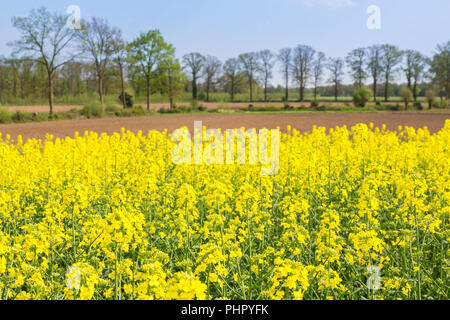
(97, 39)
(318, 65)
(212, 69)
(440, 68)
(232, 75)
(249, 65)
(356, 62)
(335, 66)
(194, 62)
(374, 66)
(406, 95)
(46, 37)
(145, 53)
(119, 58)
(301, 66)
(285, 57)
(267, 62)
(172, 78)
(391, 56)
(416, 62)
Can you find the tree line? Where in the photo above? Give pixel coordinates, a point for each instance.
(50, 58)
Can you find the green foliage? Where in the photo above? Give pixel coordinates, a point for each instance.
(406, 95)
(113, 109)
(93, 110)
(5, 115)
(362, 96)
(202, 96)
(418, 105)
(315, 103)
(128, 100)
(138, 111)
(126, 113)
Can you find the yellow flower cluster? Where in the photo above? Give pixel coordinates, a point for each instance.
(111, 217)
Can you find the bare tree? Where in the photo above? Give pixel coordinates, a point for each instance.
(194, 63)
(318, 65)
(232, 75)
(285, 57)
(356, 62)
(212, 69)
(267, 62)
(390, 58)
(97, 39)
(46, 37)
(249, 65)
(374, 66)
(414, 69)
(335, 66)
(302, 65)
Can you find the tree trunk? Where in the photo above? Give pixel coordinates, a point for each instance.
(148, 93)
(251, 89)
(194, 87)
(232, 91)
(386, 88)
(265, 92)
(301, 91)
(336, 93)
(415, 91)
(100, 88)
(315, 92)
(375, 91)
(123, 86)
(207, 91)
(50, 91)
(287, 86)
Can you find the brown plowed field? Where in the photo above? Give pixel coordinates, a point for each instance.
(434, 120)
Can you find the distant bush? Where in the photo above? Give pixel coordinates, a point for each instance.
(430, 98)
(128, 100)
(443, 104)
(93, 110)
(5, 115)
(202, 96)
(418, 105)
(114, 109)
(18, 116)
(126, 113)
(42, 116)
(362, 96)
(138, 111)
(320, 108)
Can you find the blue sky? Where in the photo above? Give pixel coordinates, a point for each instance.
(226, 28)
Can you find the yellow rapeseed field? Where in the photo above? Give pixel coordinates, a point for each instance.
(358, 213)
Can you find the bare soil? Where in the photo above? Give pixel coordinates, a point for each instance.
(434, 120)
